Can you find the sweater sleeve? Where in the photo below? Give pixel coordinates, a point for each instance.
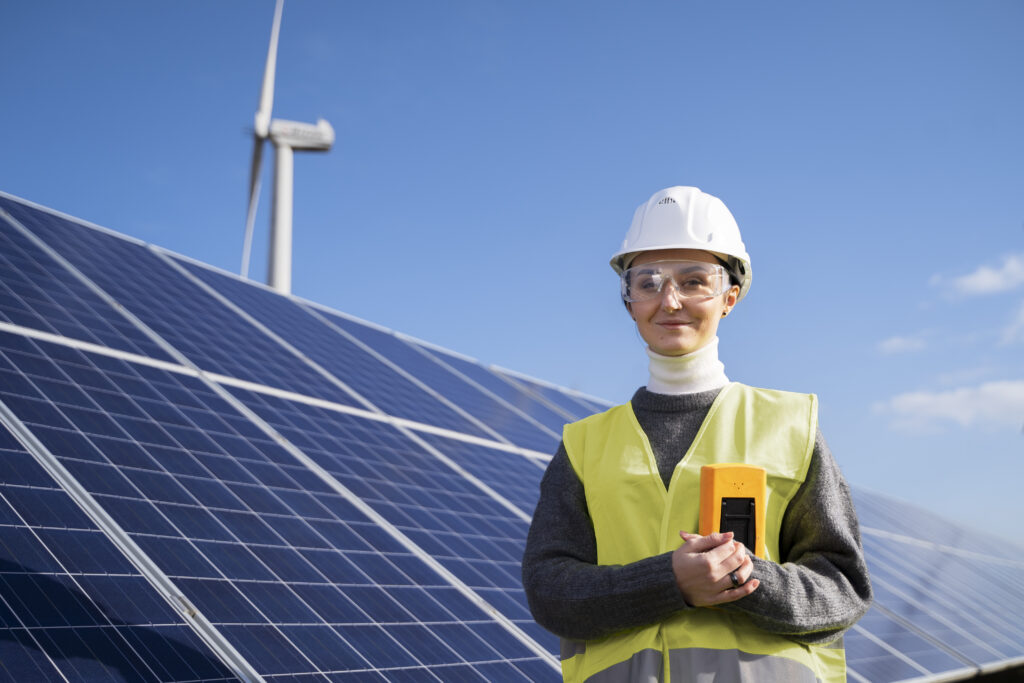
(822, 588)
(568, 592)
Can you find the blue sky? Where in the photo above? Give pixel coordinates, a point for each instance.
(489, 157)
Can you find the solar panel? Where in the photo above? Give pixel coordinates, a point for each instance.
(571, 404)
(36, 294)
(201, 479)
(297, 578)
(383, 384)
(511, 425)
(546, 418)
(467, 528)
(71, 602)
(176, 308)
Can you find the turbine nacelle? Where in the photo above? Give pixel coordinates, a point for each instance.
(302, 136)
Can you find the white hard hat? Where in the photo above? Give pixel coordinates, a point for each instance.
(686, 218)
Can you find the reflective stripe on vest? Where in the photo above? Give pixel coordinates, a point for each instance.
(635, 517)
(701, 665)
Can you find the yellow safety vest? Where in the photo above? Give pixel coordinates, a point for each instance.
(635, 517)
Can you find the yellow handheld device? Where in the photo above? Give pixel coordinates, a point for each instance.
(732, 498)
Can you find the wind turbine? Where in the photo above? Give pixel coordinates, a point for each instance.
(286, 136)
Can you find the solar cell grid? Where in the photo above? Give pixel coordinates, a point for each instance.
(226, 555)
(514, 476)
(923, 620)
(561, 402)
(956, 590)
(38, 293)
(470, 533)
(495, 414)
(71, 605)
(922, 651)
(938, 576)
(897, 517)
(512, 394)
(210, 335)
(334, 351)
(571, 406)
(869, 657)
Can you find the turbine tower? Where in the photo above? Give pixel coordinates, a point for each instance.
(286, 136)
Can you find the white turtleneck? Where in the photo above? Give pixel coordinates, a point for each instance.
(688, 374)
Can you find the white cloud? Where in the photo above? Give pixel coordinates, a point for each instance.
(992, 404)
(901, 345)
(989, 280)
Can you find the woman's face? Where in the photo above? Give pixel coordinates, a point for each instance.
(672, 325)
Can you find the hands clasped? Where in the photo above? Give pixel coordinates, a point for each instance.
(703, 564)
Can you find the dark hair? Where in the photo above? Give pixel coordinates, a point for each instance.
(730, 267)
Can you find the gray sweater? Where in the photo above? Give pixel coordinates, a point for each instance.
(819, 591)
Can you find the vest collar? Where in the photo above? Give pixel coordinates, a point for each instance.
(691, 373)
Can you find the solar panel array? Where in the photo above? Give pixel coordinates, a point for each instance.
(203, 480)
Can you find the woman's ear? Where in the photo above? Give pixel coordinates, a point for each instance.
(629, 309)
(731, 297)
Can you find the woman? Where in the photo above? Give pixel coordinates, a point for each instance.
(613, 564)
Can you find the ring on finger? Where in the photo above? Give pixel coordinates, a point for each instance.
(736, 583)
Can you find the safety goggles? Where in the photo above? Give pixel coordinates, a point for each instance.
(691, 279)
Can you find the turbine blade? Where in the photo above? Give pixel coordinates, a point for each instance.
(254, 199)
(262, 122)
